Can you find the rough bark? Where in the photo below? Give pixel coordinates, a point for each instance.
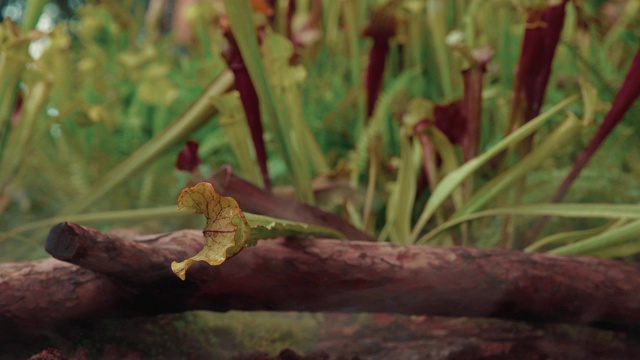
(122, 277)
(421, 337)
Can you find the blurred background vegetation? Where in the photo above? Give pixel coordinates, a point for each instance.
(98, 97)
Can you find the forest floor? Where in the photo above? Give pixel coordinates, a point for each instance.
(266, 336)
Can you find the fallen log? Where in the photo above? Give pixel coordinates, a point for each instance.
(426, 337)
(123, 277)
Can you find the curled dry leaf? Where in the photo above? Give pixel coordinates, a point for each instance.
(226, 231)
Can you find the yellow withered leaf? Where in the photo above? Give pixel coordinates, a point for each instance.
(226, 231)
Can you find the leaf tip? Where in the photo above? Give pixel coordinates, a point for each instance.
(180, 269)
(188, 159)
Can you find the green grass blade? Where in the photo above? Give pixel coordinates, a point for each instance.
(606, 211)
(603, 241)
(105, 216)
(24, 132)
(561, 136)
(267, 227)
(568, 237)
(627, 248)
(449, 160)
(375, 126)
(349, 12)
(13, 59)
(32, 13)
(455, 178)
(403, 193)
(437, 23)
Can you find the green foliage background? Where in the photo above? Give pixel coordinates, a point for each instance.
(108, 104)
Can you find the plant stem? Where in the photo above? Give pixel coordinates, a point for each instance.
(192, 118)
